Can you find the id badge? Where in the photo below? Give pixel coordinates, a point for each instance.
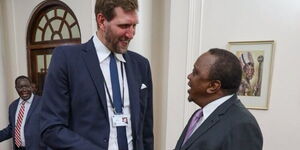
(119, 120)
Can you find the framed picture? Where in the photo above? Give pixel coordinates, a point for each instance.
(256, 58)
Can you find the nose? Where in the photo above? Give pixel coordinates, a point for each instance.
(189, 76)
(130, 32)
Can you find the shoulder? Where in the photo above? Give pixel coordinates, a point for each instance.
(72, 49)
(68, 48)
(70, 53)
(238, 113)
(37, 98)
(14, 104)
(137, 57)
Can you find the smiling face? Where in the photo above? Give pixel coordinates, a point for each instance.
(199, 81)
(117, 33)
(23, 88)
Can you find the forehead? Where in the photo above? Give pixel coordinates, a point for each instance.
(23, 81)
(205, 61)
(128, 17)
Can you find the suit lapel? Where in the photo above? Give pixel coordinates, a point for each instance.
(15, 107)
(34, 104)
(92, 63)
(210, 121)
(133, 87)
(183, 134)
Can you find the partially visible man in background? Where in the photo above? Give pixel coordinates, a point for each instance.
(34, 88)
(24, 118)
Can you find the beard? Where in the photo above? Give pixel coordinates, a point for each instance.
(116, 44)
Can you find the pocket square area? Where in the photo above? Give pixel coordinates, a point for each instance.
(143, 86)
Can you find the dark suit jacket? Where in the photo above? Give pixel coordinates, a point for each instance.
(229, 127)
(31, 128)
(75, 115)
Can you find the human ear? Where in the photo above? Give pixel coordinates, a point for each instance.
(214, 86)
(101, 21)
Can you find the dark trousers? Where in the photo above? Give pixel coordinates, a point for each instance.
(20, 148)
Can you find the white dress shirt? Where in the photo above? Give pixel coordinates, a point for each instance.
(27, 106)
(103, 56)
(210, 108)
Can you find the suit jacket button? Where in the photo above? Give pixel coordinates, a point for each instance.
(105, 140)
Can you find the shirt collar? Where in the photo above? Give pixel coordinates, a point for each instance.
(103, 52)
(29, 101)
(212, 106)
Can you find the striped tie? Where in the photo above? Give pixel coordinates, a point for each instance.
(18, 141)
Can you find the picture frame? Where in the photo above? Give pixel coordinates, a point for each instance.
(256, 58)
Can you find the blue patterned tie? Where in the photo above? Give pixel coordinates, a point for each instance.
(114, 77)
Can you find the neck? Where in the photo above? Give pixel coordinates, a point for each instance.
(210, 98)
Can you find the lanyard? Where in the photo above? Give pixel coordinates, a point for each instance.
(122, 96)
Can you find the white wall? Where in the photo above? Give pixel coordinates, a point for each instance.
(159, 59)
(84, 12)
(9, 53)
(176, 36)
(3, 89)
(248, 20)
(143, 37)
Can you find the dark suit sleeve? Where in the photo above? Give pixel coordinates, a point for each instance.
(148, 139)
(244, 136)
(56, 108)
(6, 133)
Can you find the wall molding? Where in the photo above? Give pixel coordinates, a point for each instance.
(193, 48)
